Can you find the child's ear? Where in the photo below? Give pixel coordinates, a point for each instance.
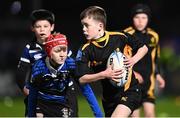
(101, 26)
(52, 27)
(32, 28)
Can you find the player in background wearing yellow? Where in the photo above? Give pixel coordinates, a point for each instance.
(147, 69)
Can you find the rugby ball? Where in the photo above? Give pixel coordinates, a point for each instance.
(116, 59)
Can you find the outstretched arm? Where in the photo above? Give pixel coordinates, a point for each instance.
(91, 98)
(159, 78)
(22, 75)
(86, 91)
(161, 81)
(108, 73)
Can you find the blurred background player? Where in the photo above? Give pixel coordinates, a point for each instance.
(51, 78)
(92, 60)
(42, 24)
(147, 69)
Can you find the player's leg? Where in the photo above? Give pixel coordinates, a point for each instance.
(149, 109)
(26, 105)
(121, 111)
(136, 113)
(39, 115)
(48, 108)
(148, 99)
(130, 101)
(108, 107)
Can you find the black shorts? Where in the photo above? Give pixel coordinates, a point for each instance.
(72, 98)
(130, 98)
(147, 94)
(53, 109)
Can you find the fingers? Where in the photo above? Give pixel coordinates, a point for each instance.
(117, 73)
(162, 85)
(161, 81)
(116, 80)
(25, 91)
(128, 62)
(113, 73)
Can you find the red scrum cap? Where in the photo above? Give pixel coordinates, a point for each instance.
(54, 40)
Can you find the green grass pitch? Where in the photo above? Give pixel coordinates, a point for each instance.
(14, 107)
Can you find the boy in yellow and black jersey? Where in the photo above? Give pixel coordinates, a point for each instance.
(92, 59)
(147, 69)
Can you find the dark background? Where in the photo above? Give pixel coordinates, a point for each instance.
(15, 32)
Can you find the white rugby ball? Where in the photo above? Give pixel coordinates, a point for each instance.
(116, 59)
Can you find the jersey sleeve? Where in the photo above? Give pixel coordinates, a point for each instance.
(25, 55)
(82, 62)
(157, 57)
(133, 42)
(23, 69)
(91, 99)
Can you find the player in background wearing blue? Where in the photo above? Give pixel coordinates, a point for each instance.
(42, 24)
(147, 69)
(51, 78)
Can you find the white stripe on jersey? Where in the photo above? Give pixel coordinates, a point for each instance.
(69, 53)
(25, 60)
(37, 45)
(27, 46)
(33, 51)
(70, 83)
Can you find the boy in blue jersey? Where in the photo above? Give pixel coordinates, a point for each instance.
(51, 78)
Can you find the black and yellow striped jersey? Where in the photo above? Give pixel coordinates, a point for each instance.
(92, 58)
(148, 66)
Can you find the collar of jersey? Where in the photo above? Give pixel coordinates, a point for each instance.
(51, 69)
(104, 38)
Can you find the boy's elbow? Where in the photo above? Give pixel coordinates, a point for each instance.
(82, 80)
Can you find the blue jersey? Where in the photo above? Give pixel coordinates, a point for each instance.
(52, 84)
(32, 52)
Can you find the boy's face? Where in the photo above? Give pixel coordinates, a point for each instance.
(140, 21)
(42, 29)
(91, 28)
(59, 54)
